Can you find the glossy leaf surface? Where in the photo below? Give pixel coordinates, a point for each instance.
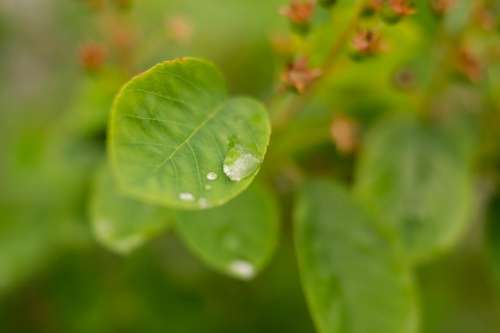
(173, 125)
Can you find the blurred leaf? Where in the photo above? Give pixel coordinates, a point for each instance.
(173, 129)
(457, 293)
(91, 106)
(238, 238)
(417, 180)
(354, 278)
(493, 235)
(41, 198)
(120, 223)
(25, 244)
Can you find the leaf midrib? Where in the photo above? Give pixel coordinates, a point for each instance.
(210, 116)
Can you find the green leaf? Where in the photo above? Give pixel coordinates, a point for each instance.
(238, 238)
(417, 178)
(120, 223)
(27, 243)
(173, 125)
(354, 278)
(493, 235)
(90, 111)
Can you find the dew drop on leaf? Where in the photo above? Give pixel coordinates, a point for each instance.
(243, 269)
(106, 232)
(186, 196)
(240, 163)
(212, 176)
(203, 202)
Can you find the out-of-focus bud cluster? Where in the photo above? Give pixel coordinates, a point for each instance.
(300, 13)
(469, 64)
(92, 56)
(372, 7)
(441, 7)
(179, 29)
(391, 11)
(366, 43)
(488, 17)
(299, 75)
(344, 132)
(394, 10)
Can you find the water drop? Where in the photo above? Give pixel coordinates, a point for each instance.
(243, 269)
(186, 196)
(203, 202)
(212, 176)
(126, 245)
(108, 235)
(240, 163)
(208, 187)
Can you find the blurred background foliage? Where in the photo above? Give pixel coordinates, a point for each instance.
(62, 61)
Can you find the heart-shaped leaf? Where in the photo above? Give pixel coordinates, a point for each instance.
(176, 139)
(417, 178)
(238, 238)
(120, 223)
(354, 278)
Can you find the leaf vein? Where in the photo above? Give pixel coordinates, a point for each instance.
(198, 171)
(190, 136)
(167, 98)
(163, 121)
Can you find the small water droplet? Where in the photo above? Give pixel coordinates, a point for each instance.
(208, 187)
(243, 269)
(212, 176)
(106, 232)
(186, 196)
(203, 202)
(240, 163)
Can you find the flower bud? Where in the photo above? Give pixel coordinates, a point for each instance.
(344, 132)
(366, 43)
(300, 13)
(394, 10)
(92, 56)
(299, 76)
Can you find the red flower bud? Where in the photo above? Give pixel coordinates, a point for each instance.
(344, 132)
(441, 7)
(299, 75)
(299, 12)
(402, 7)
(92, 56)
(469, 64)
(367, 43)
